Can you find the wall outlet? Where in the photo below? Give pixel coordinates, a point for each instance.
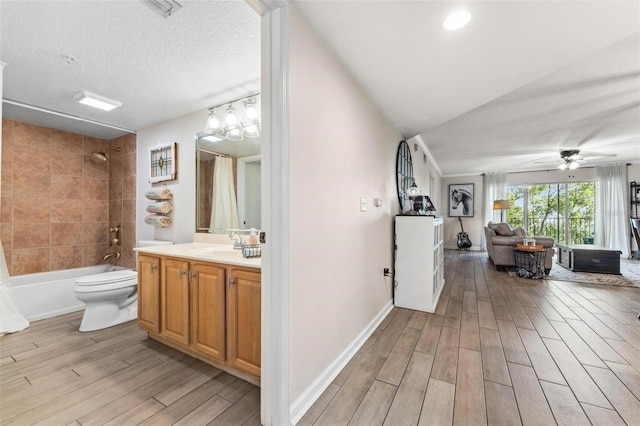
(386, 272)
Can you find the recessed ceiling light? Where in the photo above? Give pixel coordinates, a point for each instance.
(96, 101)
(457, 20)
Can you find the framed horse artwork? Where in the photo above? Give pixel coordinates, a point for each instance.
(461, 200)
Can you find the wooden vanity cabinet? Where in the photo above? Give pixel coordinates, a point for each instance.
(243, 321)
(149, 293)
(208, 310)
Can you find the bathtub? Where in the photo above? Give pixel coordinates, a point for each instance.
(49, 294)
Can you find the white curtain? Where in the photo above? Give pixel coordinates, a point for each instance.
(612, 225)
(10, 318)
(224, 207)
(494, 187)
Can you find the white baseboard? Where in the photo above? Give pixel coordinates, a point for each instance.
(302, 404)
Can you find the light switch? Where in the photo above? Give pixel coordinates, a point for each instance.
(363, 204)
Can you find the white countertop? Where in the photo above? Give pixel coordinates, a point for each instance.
(218, 253)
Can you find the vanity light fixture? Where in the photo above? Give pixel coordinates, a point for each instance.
(96, 101)
(230, 125)
(457, 20)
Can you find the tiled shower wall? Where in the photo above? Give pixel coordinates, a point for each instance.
(55, 207)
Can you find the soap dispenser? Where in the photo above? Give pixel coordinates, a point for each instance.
(253, 237)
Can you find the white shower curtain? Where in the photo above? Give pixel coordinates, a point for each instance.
(10, 318)
(612, 225)
(494, 187)
(224, 208)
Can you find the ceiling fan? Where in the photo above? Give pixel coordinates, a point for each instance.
(570, 158)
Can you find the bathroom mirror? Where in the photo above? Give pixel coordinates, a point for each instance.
(237, 179)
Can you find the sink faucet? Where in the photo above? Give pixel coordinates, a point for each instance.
(237, 242)
(109, 255)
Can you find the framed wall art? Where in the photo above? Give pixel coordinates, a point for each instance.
(162, 162)
(461, 200)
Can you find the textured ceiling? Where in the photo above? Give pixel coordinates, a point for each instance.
(207, 53)
(523, 80)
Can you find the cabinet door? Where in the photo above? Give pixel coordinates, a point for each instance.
(149, 293)
(208, 310)
(243, 321)
(175, 300)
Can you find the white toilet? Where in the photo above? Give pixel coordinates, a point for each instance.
(110, 298)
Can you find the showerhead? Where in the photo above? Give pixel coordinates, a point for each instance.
(102, 154)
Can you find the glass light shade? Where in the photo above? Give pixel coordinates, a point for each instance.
(562, 166)
(573, 165)
(251, 130)
(234, 133)
(250, 110)
(213, 124)
(232, 118)
(457, 20)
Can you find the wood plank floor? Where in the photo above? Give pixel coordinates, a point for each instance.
(51, 374)
(499, 350)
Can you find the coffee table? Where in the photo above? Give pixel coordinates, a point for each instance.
(589, 258)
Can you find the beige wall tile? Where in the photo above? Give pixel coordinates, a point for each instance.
(7, 182)
(29, 160)
(6, 235)
(68, 143)
(67, 211)
(65, 234)
(129, 211)
(95, 232)
(32, 138)
(129, 143)
(95, 168)
(31, 235)
(96, 189)
(31, 183)
(30, 261)
(129, 164)
(8, 255)
(115, 211)
(66, 257)
(129, 188)
(93, 254)
(115, 165)
(96, 210)
(6, 210)
(66, 164)
(32, 210)
(67, 187)
(115, 188)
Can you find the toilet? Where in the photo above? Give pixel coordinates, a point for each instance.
(110, 298)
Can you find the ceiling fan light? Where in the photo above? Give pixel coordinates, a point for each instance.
(562, 166)
(573, 165)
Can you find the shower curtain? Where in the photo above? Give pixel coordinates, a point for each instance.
(10, 319)
(224, 208)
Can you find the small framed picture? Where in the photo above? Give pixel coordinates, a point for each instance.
(461, 200)
(162, 162)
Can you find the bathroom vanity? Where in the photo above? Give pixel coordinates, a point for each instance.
(204, 300)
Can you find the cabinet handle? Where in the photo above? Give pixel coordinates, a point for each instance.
(192, 276)
(181, 273)
(229, 282)
(153, 267)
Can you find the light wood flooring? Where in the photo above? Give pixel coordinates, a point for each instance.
(499, 350)
(51, 374)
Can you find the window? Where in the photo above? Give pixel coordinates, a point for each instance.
(564, 211)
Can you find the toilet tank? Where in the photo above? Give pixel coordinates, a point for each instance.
(151, 243)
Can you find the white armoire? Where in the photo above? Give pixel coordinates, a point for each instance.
(419, 262)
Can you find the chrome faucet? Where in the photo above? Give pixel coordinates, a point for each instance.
(109, 255)
(237, 242)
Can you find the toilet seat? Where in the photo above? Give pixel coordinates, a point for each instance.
(106, 281)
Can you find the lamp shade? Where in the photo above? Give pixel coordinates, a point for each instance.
(501, 205)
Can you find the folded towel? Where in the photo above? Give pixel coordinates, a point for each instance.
(159, 194)
(160, 207)
(158, 220)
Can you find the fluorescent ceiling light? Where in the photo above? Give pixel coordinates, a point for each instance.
(96, 101)
(457, 20)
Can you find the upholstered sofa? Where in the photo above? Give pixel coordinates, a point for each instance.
(501, 239)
